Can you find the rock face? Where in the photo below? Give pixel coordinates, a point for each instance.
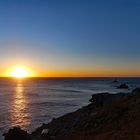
(16, 134)
(136, 91)
(105, 99)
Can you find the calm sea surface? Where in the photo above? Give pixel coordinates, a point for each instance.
(33, 101)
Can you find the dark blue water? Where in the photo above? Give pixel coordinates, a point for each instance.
(33, 101)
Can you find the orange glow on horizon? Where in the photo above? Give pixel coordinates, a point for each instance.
(26, 71)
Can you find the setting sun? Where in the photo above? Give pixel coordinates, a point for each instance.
(19, 73)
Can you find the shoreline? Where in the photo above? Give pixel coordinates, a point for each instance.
(103, 118)
(97, 101)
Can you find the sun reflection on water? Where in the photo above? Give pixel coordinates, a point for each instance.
(20, 115)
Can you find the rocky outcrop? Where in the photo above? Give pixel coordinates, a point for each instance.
(136, 91)
(115, 81)
(105, 99)
(100, 120)
(16, 133)
(123, 86)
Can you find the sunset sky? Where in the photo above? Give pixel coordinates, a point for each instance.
(55, 38)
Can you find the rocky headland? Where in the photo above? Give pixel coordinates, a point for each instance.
(107, 117)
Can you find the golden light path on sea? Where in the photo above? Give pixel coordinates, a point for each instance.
(20, 114)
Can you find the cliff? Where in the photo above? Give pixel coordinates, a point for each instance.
(107, 117)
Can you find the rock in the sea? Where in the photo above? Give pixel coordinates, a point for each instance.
(16, 133)
(123, 86)
(115, 81)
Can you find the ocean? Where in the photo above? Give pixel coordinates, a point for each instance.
(29, 102)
